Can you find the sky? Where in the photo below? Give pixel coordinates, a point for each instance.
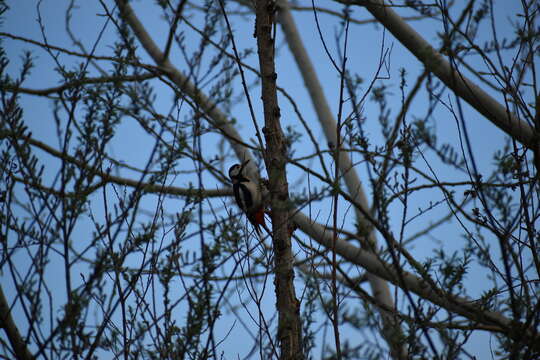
(363, 56)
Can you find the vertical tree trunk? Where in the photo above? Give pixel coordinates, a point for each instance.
(289, 324)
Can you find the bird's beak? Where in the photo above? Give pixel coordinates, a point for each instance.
(243, 165)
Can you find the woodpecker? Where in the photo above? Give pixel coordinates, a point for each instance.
(249, 196)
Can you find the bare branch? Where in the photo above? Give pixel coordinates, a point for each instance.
(455, 80)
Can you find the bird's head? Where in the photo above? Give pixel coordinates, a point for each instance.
(236, 172)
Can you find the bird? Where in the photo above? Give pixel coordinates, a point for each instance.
(249, 196)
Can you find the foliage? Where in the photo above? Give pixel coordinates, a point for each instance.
(118, 231)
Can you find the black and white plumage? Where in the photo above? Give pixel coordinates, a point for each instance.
(248, 196)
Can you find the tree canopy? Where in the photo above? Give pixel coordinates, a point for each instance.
(396, 144)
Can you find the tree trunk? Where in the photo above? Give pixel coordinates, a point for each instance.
(289, 324)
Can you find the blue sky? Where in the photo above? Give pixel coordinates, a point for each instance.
(363, 51)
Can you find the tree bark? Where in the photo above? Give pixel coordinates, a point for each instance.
(288, 307)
